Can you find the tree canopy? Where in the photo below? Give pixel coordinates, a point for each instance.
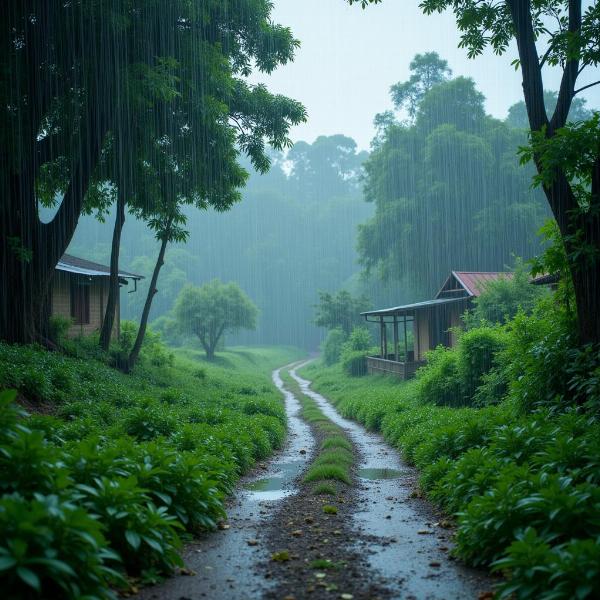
(449, 192)
(213, 309)
(147, 95)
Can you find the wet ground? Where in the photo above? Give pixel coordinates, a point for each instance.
(384, 542)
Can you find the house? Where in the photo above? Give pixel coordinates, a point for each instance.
(408, 332)
(80, 292)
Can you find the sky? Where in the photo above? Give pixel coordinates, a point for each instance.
(350, 57)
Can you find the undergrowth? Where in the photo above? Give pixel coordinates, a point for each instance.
(105, 474)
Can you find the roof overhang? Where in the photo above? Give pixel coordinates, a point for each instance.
(408, 309)
(61, 266)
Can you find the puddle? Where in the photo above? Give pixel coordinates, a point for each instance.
(277, 486)
(379, 474)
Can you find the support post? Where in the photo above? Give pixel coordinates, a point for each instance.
(416, 336)
(396, 357)
(381, 336)
(406, 341)
(385, 344)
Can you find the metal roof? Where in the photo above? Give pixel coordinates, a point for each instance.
(80, 266)
(395, 310)
(474, 281)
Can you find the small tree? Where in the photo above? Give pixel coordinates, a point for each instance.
(211, 310)
(502, 298)
(341, 310)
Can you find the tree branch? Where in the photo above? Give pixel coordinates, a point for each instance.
(570, 73)
(585, 87)
(533, 86)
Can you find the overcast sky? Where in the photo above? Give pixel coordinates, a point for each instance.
(350, 57)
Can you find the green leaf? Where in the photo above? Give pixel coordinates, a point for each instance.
(133, 539)
(29, 577)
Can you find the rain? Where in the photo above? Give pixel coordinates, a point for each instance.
(300, 300)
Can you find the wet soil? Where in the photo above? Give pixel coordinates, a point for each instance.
(384, 542)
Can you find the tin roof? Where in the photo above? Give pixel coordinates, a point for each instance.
(474, 281)
(80, 266)
(406, 308)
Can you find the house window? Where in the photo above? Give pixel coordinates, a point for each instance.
(80, 302)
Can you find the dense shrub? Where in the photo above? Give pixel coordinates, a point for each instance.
(106, 486)
(355, 350)
(332, 346)
(439, 381)
(476, 352)
(355, 363)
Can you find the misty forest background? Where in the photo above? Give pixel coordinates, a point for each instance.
(441, 188)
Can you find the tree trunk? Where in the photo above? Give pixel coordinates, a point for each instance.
(581, 234)
(113, 291)
(137, 346)
(30, 249)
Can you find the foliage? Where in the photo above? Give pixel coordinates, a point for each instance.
(502, 298)
(58, 328)
(439, 382)
(52, 548)
(340, 310)
(449, 174)
(332, 346)
(354, 352)
(213, 309)
(106, 486)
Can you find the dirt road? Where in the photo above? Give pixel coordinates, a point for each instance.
(381, 542)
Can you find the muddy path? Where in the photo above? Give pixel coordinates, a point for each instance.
(382, 541)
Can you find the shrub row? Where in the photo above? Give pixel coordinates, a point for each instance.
(524, 486)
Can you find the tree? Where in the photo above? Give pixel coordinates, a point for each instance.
(86, 79)
(340, 310)
(560, 34)
(449, 193)
(427, 70)
(213, 309)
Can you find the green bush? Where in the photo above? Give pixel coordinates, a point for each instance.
(355, 363)
(332, 346)
(51, 548)
(476, 352)
(58, 328)
(439, 381)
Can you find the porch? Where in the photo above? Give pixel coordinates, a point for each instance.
(408, 332)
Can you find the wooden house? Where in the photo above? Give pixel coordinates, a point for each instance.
(408, 332)
(80, 292)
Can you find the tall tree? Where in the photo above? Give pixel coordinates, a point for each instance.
(558, 33)
(74, 68)
(449, 193)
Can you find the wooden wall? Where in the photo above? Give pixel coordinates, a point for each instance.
(61, 303)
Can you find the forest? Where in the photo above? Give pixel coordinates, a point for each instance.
(245, 356)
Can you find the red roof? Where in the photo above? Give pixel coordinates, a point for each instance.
(474, 282)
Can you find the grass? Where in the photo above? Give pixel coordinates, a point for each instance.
(328, 472)
(336, 441)
(333, 463)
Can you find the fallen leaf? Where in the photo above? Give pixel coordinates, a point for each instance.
(252, 542)
(297, 533)
(346, 596)
(281, 556)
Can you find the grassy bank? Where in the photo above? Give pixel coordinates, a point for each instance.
(330, 471)
(524, 486)
(103, 474)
